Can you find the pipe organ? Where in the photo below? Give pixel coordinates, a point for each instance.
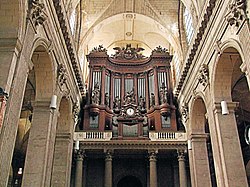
(129, 94)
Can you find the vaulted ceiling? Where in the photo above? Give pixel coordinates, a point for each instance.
(143, 23)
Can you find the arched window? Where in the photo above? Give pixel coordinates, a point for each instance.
(188, 23)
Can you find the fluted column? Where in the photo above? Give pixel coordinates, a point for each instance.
(108, 170)
(152, 169)
(79, 167)
(182, 169)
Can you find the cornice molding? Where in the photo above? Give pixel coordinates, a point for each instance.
(68, 41)
(195, 45)
(143, 144)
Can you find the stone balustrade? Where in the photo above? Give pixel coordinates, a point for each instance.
(167, 136)
(92, 136)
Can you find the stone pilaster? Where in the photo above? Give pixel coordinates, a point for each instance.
(39, 146)
(62, 160)
(230, 148)
(152, 169)
(198, 158)
(182, 169)
(79, 156)
(108, 170)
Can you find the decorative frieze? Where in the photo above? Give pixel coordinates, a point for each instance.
(37, 14)
(203, 75)
(236, 12)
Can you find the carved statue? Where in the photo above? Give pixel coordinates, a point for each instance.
(142, 103)
(152, 99)
(116, 103)
(163, 94)
(129, 97)
(106, 101)
(96, 94)
(128, 53)
(100, 48)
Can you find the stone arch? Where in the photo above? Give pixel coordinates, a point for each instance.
(65, 118)
(129, 181)
(44, 73)
(221, 62)
(226, 78)
(133, 174)
(63, 145)
(41, 129)
(198, 152)
(197, 114)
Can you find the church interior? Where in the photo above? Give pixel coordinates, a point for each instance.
(124, 93)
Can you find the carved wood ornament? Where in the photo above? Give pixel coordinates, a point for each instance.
(128, 92)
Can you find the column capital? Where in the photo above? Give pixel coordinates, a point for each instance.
(79, 154)
(152, 155)
(108, 155)
(181, 155)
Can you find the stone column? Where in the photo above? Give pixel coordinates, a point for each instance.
(108, 170)
(182, 169)
(79, 168)
(152, 169)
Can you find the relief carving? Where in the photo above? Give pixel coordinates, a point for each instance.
(61, 75)
(100, 48)
(38, 15)
(236, 12)
(203, 75)
(128, 53)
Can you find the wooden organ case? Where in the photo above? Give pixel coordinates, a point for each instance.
(129, 94)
